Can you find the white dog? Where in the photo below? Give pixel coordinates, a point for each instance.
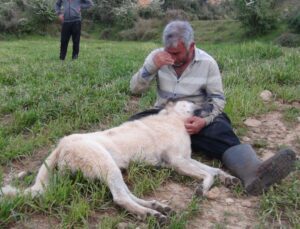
(159, 139)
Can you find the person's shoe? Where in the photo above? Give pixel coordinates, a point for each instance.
(257, 176)
(75, 57)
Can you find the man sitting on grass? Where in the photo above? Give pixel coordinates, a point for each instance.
(184, 72)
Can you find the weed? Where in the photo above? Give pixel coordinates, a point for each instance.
(146, 178)
(260, 143)
(291, 114)
(281, 202)
(180, 220)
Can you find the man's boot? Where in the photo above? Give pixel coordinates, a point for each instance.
(256, 175)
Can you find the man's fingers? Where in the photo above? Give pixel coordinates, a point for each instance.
(163, 58)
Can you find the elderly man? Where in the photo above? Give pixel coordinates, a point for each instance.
(182, 71)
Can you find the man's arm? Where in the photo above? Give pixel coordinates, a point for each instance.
(215, 93)
(214, 105)
(59, 11)
(57, 7)
(85, 4)
(140, 81)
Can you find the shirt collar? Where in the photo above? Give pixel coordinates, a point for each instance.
(197, 56)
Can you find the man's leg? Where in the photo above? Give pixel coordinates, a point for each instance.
(216, 138)
(76, 30)
(64, 40)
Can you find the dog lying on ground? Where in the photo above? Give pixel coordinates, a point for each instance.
(157, 139)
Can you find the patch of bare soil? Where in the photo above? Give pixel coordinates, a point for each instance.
(37, 221)
(28, 164)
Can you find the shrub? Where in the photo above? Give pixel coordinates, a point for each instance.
(289, 40)
(125, 15)
(257, 16)
(142, 30)
(294, 21)
(178, 14)
(20, 16)
(41, 11)
(151, 11)
(12, 18)
(118, 12)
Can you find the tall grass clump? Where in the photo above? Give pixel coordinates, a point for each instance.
(258, 17)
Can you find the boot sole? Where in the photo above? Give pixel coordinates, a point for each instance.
(272, 171)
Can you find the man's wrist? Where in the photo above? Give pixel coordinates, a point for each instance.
(149, 69)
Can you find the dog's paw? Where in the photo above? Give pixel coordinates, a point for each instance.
(161, 219)
(168, 211)
(231, 182)
(199, 190)
(8, 191)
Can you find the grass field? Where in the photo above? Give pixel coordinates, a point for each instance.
(43, 99)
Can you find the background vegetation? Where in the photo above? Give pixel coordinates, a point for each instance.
(128, 20)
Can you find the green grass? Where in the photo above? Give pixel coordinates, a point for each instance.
(291, 114)
(43, 99)
(280, 205)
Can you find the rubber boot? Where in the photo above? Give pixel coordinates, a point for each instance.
(256, 175)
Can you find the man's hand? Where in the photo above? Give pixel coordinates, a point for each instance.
(162, 58)
(61, 18)
(194, 124)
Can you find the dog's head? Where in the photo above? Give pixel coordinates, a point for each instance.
(184, 109)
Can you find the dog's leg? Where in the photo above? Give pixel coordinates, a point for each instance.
(156, 205)
(187, 167)
(225, 178)
(97, 163)
(127, 200)
(41, 181)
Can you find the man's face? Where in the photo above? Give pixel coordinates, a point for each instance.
(180, 54)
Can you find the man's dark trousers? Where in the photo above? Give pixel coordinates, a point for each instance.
(213, 140)
(70, 29)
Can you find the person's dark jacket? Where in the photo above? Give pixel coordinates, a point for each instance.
(71, 9)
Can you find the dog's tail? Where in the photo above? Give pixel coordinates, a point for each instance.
(41, 181)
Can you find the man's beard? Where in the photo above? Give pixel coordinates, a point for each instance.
(178, 65)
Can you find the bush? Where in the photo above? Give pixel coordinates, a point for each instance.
(176, 15)
(289, 40)
(41, 11)
(142, 30)
(257, 16)
(151, 11)
(125, 15)
(12, 18)
(20, 16)
(294, 21)
(120, 12)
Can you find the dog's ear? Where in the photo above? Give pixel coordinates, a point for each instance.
(170, 103)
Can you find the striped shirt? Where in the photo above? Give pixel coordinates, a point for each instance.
(200, 83)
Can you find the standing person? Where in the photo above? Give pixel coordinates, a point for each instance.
(70, 17)
(183, 71)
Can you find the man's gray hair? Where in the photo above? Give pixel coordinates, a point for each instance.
(177, 31)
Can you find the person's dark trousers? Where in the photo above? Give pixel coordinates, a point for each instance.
(213, 140)
(70, 29)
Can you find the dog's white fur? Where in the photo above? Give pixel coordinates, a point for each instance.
(157, 139)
